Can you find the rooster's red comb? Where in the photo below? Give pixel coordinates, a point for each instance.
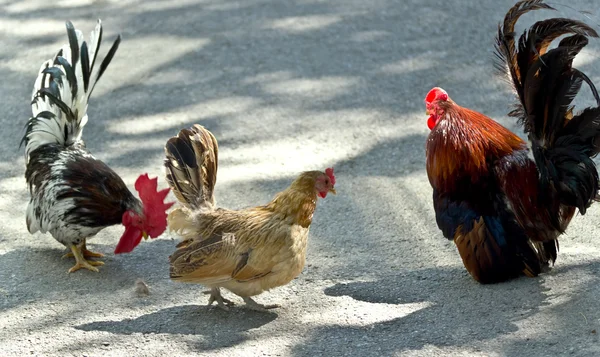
(436, 93)
(154, 206)
(329, 172)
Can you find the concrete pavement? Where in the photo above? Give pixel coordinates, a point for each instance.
(285, 86)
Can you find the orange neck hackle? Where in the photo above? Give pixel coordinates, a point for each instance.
(462, 143)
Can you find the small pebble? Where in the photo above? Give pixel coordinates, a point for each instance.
(141, 288)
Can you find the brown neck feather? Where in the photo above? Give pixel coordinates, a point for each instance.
(463, 143)
(297, 202)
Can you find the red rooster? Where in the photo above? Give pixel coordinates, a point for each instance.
(73, 194)
(504, 204)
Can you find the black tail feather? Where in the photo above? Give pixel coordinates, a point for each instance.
(85, 66)
(589, 82)
(106, 61)
(191, 163)
(70, 73)
(505, 43)
(51, 94)
(74, 45)
(63, 88)
(546, 85)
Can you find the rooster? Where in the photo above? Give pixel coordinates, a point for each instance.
(73, 194)
(247, 251)
(502, 202)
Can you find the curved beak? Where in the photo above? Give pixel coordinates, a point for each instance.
(332, 190)
(145, 235)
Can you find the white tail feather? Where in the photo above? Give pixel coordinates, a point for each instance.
(62, 90)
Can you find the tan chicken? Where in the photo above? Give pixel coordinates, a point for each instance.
(247, 251)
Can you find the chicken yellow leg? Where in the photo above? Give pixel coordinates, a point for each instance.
(86, 253)
(80, 261)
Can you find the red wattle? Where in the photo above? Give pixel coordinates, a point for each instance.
(431, 122)
(129, 240)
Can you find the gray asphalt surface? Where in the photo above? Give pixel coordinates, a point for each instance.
(285, 86)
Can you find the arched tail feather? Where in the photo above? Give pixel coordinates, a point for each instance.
(62, 90)
(563, 143)
(191, 163)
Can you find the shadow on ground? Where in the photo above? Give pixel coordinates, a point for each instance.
(218, 328)
(339, 82)
(463, 313)
(42, 274)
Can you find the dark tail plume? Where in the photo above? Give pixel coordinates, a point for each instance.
(563, 143)
(191, 163)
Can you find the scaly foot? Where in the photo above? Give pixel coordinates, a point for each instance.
(253, 305)
(81, 262)
(87, 264)
(86, 253)
(215, 295)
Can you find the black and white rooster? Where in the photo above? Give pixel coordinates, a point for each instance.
(73, 194)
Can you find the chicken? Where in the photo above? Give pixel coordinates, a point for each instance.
(247, 251)
(502, 202)
(73, 194)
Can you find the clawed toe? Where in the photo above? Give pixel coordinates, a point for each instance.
(80, 261)
(222, 303)
(253, 305)
(95, 263)
(89, 265)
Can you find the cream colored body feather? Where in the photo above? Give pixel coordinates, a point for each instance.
(247, 251)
